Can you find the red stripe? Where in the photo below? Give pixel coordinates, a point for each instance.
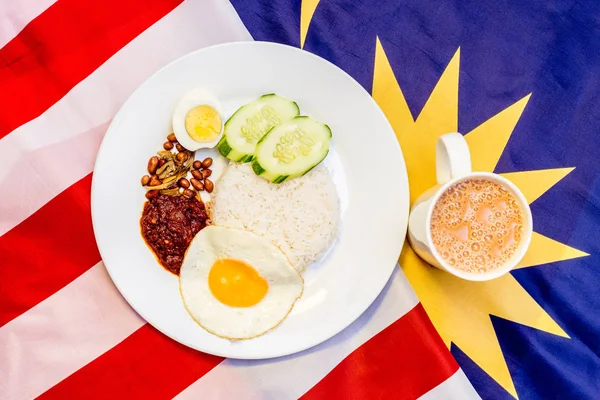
(62, 46)
(146, 365)
(47, 251)
(404, 361)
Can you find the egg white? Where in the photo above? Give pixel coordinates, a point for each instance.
(192, 99)
(236, 323)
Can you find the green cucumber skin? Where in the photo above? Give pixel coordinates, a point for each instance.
(263, 96)
(238, 156)
(224, 147)
(257, 168)
(246, 158)
(311, 168)
(264, 166)
(227, 151)
(281, 178)
(260, 171)
(265, 135)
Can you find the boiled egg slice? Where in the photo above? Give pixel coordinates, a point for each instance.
(236, 284)
(197, 121)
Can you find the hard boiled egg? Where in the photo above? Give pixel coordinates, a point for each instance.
(197, 121)
(236, 284)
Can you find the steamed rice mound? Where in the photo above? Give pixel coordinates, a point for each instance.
(300, 216)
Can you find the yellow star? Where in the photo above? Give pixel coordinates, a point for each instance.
(307, 10)
(460, 310)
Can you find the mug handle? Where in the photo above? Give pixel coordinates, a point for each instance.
(452, 157)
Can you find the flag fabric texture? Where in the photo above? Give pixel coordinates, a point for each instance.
(520, 80)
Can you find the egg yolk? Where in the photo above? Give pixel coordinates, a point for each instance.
(203, 123)
(236, 284)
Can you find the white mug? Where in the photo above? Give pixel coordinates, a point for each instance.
(453, 164)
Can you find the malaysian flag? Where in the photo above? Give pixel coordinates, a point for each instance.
(521, 80)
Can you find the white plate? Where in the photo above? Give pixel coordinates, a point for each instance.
(365, 160)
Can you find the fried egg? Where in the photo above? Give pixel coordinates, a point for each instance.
(236, 284)
(197, 121)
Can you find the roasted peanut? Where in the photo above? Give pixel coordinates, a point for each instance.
(145, 180)
(161, 162)
(198, 185)
(184, 183)
(206, 173)
(171, 138)
(197, 174)
(197, 164)
(179, 147)
(189, 193)
(207, 162)
(208, 185)
(154, 181)
(151, 193)
(182, 157)
(152, 164)
(168, 146)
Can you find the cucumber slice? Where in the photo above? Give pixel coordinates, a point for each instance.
(251, 122)
(291, 149)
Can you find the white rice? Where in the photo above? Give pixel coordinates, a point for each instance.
(300, 216)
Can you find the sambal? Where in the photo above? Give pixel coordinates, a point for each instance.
(169, 223)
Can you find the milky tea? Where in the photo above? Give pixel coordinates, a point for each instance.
(477, 225)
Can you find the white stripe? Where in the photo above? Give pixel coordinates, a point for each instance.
(94, 101)
(18, 13)
(290, 377)
(41, 174)
(62, 334)
(457, 387)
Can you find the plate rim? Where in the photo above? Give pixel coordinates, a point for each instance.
(294, 348)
